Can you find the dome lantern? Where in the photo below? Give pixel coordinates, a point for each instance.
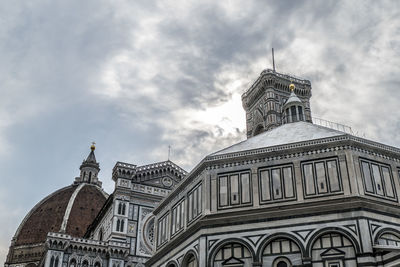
(293, 109)
(89, 169)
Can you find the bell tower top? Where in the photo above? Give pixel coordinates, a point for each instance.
(264, 101)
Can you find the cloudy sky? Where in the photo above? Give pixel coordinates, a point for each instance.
(137, 76)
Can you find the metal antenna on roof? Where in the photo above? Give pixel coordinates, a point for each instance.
(273, 59)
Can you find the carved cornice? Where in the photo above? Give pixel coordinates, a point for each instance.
(280, 82)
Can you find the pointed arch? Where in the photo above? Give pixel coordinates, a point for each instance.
(122, 225)
(72, 262)
(52, 261)
(123, 208)
(118, 224)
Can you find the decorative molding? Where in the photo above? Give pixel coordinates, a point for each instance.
(254, 239)
(304, 234)
(352, 227)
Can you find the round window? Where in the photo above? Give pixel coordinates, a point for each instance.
(282, 262)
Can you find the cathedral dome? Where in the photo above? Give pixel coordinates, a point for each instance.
(69, 210)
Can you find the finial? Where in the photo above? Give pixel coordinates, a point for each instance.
(93, 147)
(292, 86)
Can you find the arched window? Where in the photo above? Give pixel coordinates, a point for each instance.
(123, 208)
(122, 225)
(56, 262)
(233, 254)
(72, 263)
(120, 208)
(191, 261)
(97, 264)
(389, 239)
(90, 177)
(279, 247)
(52, 261)
(85, 263)
(118, 225)
(337, 244)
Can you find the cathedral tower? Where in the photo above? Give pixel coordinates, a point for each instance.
(265, 100)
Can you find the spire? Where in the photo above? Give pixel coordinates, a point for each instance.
(91, 157)
(89, 169)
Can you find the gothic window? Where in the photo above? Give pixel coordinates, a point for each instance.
(121, 208)
(233, 254)
(90, 177)
(195, 204)
(120, 225)
(56, 262)
(276, 183)
(321, 177)
(178, 217)
(377, 179)
(52, 261)
(72, 263)
(234, 189)
(97, 264)
(85, 263)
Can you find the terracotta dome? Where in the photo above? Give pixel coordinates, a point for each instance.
(69, 210)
